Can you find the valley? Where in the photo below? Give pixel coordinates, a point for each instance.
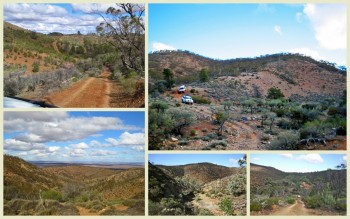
(274, 192)
(272, 102)
(72, 189)
(197, 189)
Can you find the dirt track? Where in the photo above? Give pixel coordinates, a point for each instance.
(297, 208)
(89, 92)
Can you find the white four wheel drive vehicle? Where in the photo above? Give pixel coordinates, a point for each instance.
(182, 89)
(187, 99)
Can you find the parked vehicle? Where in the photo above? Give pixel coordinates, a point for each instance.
(182, 89)
(187, 99)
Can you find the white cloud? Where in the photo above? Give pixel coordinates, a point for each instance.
(278, 29)
(78, 152)
(51, 128)
(17, 145)
(98, 153)
(232, 160)
(311, 158)
(46, 18)
(93, 7)
(81, 145)
(308, 52)
(138, 148)
(157, 46)
(127, 138)
(289, 156)
(329, 24)
(345, 158)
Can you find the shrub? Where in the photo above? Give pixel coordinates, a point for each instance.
(284, 124)
(290, 200)
(280, 112)
(35, 66)
(177, 104)
(287, 140)
(274, 93)
(332, 111)
(265, 137)
(313, 201)
(200, 100)
(237, 184)
(52, 194)
(193, 90)
(226, 206)
(340, 204)
(215, 144)
(255, 206)
(193, 132)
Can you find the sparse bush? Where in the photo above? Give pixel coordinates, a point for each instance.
(52, 194)
(215, 144)
(284, 124)
(290, 200)
(35, 66)
(287, 140)
(178, 104)
(200, 100)
(226, 206)
(255, 206)
(237, 185)
(313, 201)
(193, 90)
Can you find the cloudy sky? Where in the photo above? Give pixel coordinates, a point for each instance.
(226, 31)
(64, 18)
(299, 162)
(228, 160)
(75, 136)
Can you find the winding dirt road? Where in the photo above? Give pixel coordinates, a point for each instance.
(89, 92)
(298, 208)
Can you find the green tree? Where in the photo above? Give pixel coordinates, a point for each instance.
(169, 78)
(203, 75)
(274, 93)
(250, 104)
(124, 28)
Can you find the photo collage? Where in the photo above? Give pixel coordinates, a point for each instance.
(174, 109)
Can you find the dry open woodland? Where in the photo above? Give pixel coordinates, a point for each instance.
(196, 189)
(72, 189)
(102, 69)
(272, 102)
(274, 192)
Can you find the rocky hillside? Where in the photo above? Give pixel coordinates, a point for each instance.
(296, 75)
(203, 172)
(71, 190)
(26, 180)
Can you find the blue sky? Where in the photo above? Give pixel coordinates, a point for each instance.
(64, 18)
(226, 31)
(228, 160)
(75, 136)
(299, 162)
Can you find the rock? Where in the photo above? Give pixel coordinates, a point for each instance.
(174, 139)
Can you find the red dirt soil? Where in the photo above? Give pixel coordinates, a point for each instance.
(89, 92)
